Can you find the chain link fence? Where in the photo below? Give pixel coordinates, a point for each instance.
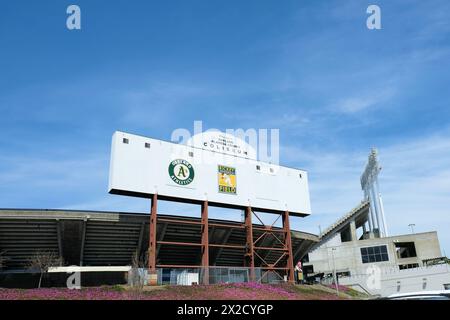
(212, 275)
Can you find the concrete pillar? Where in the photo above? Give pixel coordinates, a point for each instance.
(372, 212)
(383, 218)
(374, 198)
(369, 221)
(353, 230)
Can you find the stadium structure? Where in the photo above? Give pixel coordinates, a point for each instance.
(221, 171)
(215, 169)
(105, 243)
(357, 250)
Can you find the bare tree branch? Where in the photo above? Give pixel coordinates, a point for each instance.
(42, 261)
(138, 271)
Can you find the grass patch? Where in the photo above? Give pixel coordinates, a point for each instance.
(116, 288)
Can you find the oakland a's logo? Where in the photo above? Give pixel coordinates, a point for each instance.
(181, 172)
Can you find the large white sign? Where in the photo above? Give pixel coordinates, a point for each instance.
(142, 166)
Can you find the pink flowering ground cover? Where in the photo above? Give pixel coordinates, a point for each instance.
(236, 291)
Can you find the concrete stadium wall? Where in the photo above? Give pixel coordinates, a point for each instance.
(347, 255)
(402, 281)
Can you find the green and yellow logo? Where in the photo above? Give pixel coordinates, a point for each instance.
(181, 172)
(227, 179)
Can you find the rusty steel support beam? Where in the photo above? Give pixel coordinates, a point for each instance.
(205, 243)
(179, 221)
(271, 248)
(263, 235)
(268, 228)
(275, 220)
(269, 252)
(230, 246)
(261, 258)
(276, 238)
(152, 236)
(288, 243)
(279, 259)
(249, 254)
(274, 272)
(177, 243)
(224, 225)
(257, 217)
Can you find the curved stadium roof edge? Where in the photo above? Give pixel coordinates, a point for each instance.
(105, 238)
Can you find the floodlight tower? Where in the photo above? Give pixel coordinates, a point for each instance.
(370, 186)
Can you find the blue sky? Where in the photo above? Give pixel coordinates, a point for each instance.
(310, 68)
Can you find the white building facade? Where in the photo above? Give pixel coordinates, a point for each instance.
(377, 265)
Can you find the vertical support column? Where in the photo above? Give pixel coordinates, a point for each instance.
(369, 221)
(353, 230)
(372, 212)
(205, 243)
(152, 237)
(376, 211)
(383, 218)
(288, 243)
(83, 241)
(60, 243)
(386, 232)
(369, 214)
(249, 257)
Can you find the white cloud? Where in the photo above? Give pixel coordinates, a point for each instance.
(357, 103)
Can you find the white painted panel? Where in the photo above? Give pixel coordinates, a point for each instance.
(141, 171)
